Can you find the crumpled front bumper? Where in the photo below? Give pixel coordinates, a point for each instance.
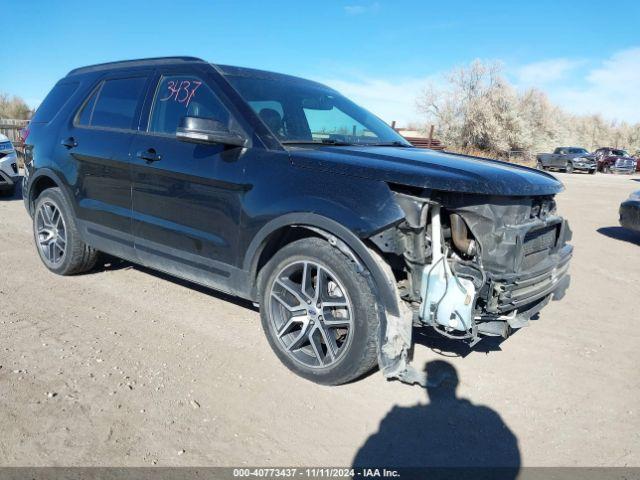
(511, 292)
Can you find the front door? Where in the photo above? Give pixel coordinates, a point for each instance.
(186, 196)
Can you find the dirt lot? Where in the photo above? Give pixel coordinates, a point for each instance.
(127, 367)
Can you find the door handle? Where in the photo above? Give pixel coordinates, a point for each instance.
(69, 143)
(149, 156)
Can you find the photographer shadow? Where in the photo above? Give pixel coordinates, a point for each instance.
(446, 432)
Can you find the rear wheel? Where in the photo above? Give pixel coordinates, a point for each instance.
(57, 238)
(318, 313)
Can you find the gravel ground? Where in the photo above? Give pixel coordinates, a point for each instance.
(127, 367)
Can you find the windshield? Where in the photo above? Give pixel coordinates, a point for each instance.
(578, 151)
(298, 111)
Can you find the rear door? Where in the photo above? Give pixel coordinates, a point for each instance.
(186, 196)
(99, 141)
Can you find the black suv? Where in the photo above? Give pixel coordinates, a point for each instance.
(282, 191)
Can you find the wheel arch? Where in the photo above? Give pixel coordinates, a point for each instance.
(42, 180)
(290, 227)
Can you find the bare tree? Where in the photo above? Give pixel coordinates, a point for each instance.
(475, 107)
(13, 107)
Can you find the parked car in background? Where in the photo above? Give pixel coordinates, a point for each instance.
(615, 160)
(630, 212)
(567, 159)
(8, 166)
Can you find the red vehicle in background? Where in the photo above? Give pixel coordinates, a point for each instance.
(615, 160)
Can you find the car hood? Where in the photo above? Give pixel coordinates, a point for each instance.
(428, 169)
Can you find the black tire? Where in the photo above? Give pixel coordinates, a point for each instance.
(592, 172)
(360, 354)
(569, 168)
(78, 257)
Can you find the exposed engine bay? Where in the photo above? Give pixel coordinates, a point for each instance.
(470, 266)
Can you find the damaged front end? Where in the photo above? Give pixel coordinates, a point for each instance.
(469, 266)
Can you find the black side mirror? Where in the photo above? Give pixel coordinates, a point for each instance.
(207, 130)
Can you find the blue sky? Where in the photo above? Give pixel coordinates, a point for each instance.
(586, 55)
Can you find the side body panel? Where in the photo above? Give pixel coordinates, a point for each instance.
(186, 206)
(279, 194)
(103, 186)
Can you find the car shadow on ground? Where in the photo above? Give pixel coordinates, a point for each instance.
(109, 263)
(17, 194)
(448, 347)
(620, 233)
(446, 432)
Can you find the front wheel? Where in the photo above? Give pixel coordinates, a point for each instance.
(318, 313)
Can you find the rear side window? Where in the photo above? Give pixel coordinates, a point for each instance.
(54, 102)
(113, 104)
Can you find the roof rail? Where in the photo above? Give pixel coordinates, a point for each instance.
(133, 63)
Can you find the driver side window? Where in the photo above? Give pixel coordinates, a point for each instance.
(184, 96)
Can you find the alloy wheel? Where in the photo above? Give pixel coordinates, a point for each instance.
(311, 314)
(51, 233)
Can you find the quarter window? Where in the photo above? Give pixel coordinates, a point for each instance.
(84, 117)
(54, 102)
(184, 96)
(116, 103)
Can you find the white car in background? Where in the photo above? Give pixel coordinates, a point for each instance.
(8, 167)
